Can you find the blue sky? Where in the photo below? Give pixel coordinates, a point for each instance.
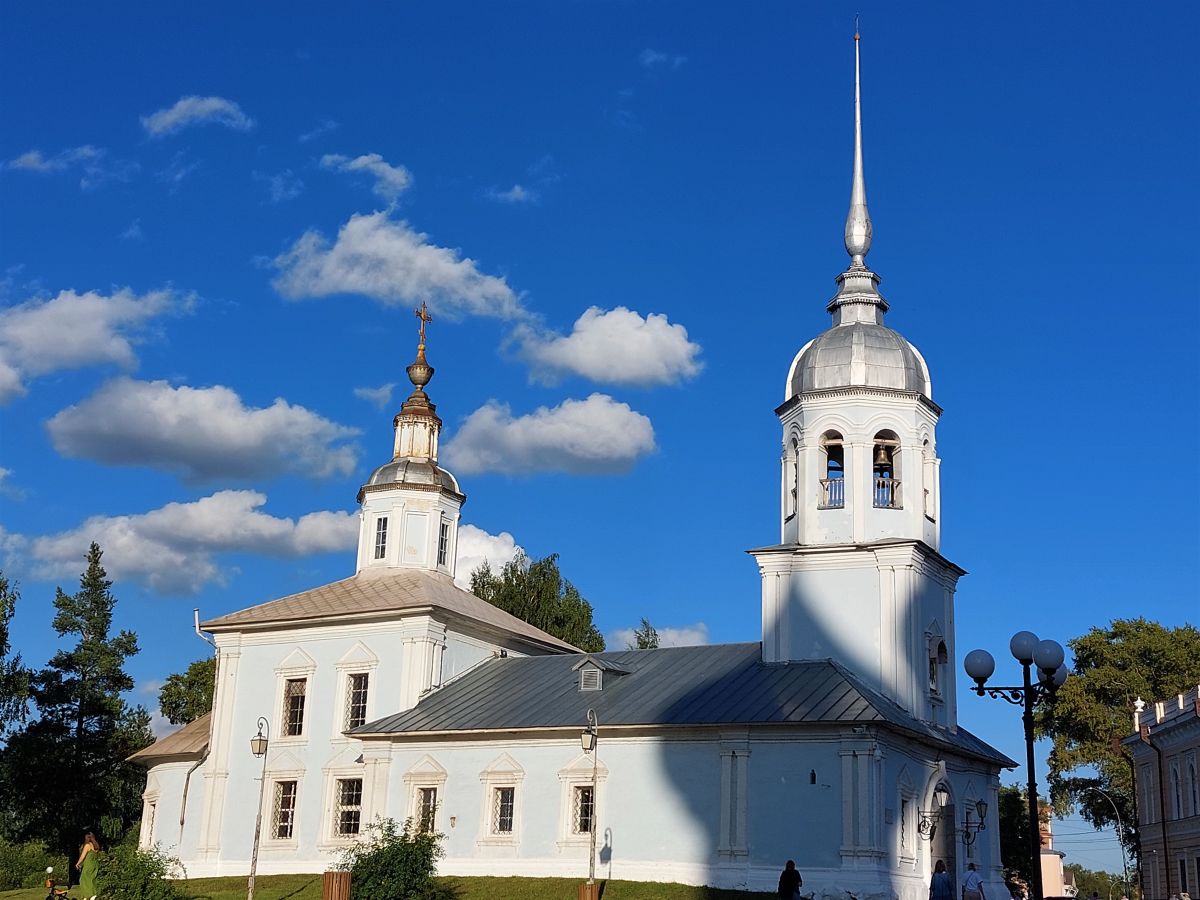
(626, 218)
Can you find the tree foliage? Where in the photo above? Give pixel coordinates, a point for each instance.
(1106, 884)
(186, 697)
(1114, 666)
(1015, 854)
(66, 770)
(645, 636)
(14, 677)
(537, 593)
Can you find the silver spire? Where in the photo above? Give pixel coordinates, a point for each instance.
(858, 222)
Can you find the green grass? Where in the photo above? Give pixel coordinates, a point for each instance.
(308, 887)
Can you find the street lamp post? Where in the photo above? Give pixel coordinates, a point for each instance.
(258, 746)
(589, 740)
(1048, 656)
(1120, 836)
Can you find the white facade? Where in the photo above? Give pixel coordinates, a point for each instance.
(857, 578)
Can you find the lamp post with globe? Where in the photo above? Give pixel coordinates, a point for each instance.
(1048, 657)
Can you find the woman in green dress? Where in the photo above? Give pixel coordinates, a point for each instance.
(88, 864)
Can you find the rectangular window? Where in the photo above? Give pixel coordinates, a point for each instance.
(283, 818)
(293, 706)
(584, 810)
(904, 804)
(502, 810)
(1183, 885)
(426, 808)
(443, 543)
(356, 700)
(348, 816)
(381, 537)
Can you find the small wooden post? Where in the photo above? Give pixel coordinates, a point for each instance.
(336, 886)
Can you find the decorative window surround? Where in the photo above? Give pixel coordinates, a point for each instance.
(504, 771)
(358, 660)
(296, 665)
(149, 811)
(427, 772)
(578, 773)
(330, 839)
(284, 766)
(907, 841)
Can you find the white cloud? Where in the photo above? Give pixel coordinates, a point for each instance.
(476, 547)
(148, 692)
(283, 186)
(202, 434)
(133, 232)
(681, 636)
(593, 436)
(515, 195)
(390, 181)
(616, 346)
(650, 58)
(189, 111)
(34, 161)
(173, 549)
(176, 171)
(379, 396)
(390, 262)
(323, 127)
(92, 162)
(73, 330)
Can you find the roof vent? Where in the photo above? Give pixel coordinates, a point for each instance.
(590, 679)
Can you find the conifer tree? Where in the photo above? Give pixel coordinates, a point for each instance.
(645, 637)
(66, 771)
(14, 678)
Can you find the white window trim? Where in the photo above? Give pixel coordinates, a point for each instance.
(358, 660)
(906, 838)
(503, 772)
(296, 664)
(426, 773)
(578, 773)
(150, 799)
(329, 838)
(270, 840)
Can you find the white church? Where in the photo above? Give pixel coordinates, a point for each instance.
(834, 741)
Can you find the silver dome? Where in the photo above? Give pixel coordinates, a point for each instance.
(859, 354)
(415, 472)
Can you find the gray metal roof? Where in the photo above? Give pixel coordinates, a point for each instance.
(722, 684)
(859, 354)
(376, 592)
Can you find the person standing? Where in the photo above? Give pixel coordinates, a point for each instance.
(790, 880)
(88, 865)
(972, 888)
(940, 887)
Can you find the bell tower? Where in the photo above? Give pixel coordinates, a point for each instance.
(410, 506)
(857, 575)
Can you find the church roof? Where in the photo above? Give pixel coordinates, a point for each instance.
(375, 593)
(189, 742)
(722, 685)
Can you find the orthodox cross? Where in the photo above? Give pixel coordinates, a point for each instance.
(425, 317)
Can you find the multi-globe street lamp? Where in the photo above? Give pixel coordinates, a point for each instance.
(1048, 657)
(258, 746)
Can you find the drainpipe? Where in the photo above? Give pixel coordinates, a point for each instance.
(187, 779)
(1144, 731)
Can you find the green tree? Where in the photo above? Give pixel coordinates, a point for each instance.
(14, 677)
(66, 770)
(1103, 883)
(1114, 666)
(645, 637)
(537, 593)
(1013, 813)
(185, 698)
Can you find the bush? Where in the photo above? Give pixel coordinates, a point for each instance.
(391, 862)
(127, 873)
(24, 865)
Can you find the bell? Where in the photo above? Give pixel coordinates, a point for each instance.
(881, 456)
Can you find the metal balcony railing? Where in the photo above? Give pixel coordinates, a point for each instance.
(887, 493)
(833, 493)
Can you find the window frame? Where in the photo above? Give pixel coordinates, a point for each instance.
(578, 773)
(298, 665)
(277, 784)
(425, 774)
(381, 539)
(443, 548)
(340, 808)
(504, 772)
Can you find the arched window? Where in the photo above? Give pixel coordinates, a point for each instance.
(1193, 789)
(938, 657)
(885, 470)
(833, 485)
(1176, 794)
(792, 474)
